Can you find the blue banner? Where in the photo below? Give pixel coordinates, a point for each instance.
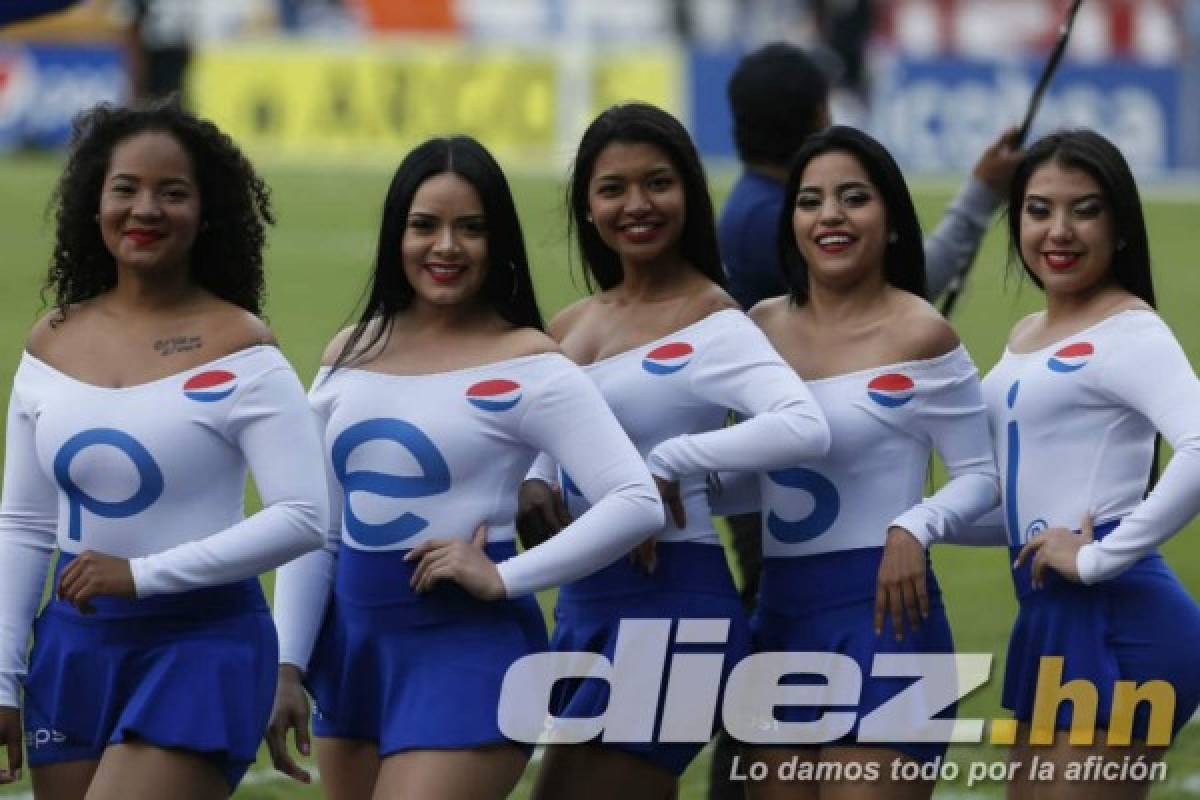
(938, 115)
(43, 86)
(711, 123)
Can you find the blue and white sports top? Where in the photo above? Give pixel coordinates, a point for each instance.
(417, 457)
(1074, 427)
(673, 396)
(154, 473)
(885, 423)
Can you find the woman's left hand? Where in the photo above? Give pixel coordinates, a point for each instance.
(1058, 549)
(94, 574)
(900, 588)
(465, 563)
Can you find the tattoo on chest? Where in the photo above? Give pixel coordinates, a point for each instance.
(177, 344)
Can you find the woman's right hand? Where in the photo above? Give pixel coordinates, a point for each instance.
(12, 737)
(290, 712)
(541, 512)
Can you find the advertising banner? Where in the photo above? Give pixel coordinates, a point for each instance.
(938, 114)
(43, 86)
(382, 100)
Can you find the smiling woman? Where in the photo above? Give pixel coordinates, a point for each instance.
(151, 665)
(1084, 514)
(447, 371)
(636, 200)
(446, 241)
(150, 204)
(1066, 230)
(672, 355)
(843, 570)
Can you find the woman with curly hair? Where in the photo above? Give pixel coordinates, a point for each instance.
(138, 404)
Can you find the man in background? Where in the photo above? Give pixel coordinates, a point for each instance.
(158, 41)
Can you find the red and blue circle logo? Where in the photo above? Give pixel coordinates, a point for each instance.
(494, 395)
(1071, 358)
(891, 390)
(210, 386)
(668, 358)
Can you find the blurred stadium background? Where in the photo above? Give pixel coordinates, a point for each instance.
(327, 95)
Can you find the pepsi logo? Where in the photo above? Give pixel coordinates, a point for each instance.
(494, 395)
(18, 84)
(668, 358)
(891, 390)
(211, 386)
(1071, 358)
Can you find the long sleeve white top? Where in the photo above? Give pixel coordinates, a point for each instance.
(885, 423)
(1074, 426)
(673, 396)
(417, 457)
(154, 473)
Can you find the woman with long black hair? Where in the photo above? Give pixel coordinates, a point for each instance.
(434, 405)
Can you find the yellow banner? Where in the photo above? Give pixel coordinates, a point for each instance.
(380, 100)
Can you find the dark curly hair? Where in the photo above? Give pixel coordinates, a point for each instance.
(641, 123)
(235, 206)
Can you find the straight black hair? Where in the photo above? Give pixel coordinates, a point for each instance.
(641, 123)
(508, 287)
(1090, 152)
(904, 256)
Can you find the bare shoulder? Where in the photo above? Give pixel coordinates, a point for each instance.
(566, 319)
(1133, 303)
(708, 301)
(922, 332)
(340, 340)
(60, 331)
(218, 329)
(527, 342)
(768, 311)
(1024, 326)
(336, 345)
(234, 328)
(47, 331)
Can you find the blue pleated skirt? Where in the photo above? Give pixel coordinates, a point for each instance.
(415, 672)
(1140, 626)
(825, 603)
(194, 671)
(690, 581)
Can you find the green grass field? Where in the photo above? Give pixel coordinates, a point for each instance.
(318, 259)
